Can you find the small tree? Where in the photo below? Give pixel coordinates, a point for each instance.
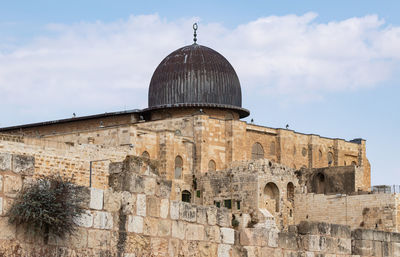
(48, 205)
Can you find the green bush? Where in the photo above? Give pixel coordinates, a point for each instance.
(48, 206)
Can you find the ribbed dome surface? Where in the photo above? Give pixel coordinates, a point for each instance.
(195, 76)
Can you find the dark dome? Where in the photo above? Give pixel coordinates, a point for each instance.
(196, 76)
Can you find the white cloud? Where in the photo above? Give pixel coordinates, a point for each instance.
(106, 66)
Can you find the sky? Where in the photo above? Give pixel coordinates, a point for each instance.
(324, 67)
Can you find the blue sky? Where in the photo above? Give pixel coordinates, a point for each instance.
(323, 67)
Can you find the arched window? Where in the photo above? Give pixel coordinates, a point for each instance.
(271, 196)
(272, 148)
(290, 191)
(178, 167)
(211, 165)
(186, 196)
(330, 159)
(257, 151)
(145, 154)
(304, 152)
(320, 154)
(319, 183)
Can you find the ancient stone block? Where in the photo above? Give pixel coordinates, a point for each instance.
(135, 224)
(362, 247)
(150, 226)
(141, 205)
(173, 247)
(340, 231)
(395, 237)
(312, 243)
(223, 217)
(227, 236)
(187, 212)
(194, 232)
(212, 234)
(363, 234)
(102, 220)
(7, 231)
(12, 185)
(164, 227)
(224, 250)
(376, 248)
(178, 229)
(287, 241)
(159, 246)
(153, 206)
(149, 186)
(207, 249)
(308, 227)
(96, 198)
(24, 164)
(273, 236)
(128, 202)
(212, 215)
(174, 210)
(163, 190)
(85, 219)
(381, 236)
(5, 161)
(112, 200)
(138, 244)
(254, 236)
(324, 228)
(201, 215)
(99, 239)
(164, 208)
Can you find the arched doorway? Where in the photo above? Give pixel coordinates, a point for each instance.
(186, 196)
(257, 151)
(271, 197)
(290, 191)
(178, 167)
(320, 183)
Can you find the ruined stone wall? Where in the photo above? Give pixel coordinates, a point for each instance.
(135, 217)
(373, 211)
(69, 161)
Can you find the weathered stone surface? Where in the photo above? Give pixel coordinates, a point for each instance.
(149, 186)
(194, 232)
(201, 215)
(137, 244)
(159, 246)
(254, 236)
(212, 215)
(153, 206)
(223, 217)
(128, 202)
(141, 205)
(381, 236)
(103, 220)
(227, 236)
(5, 161)
(164, 208)
(135, 224)
(1, 205)
(174, 210)
(163, 190)
(212, 234)
(1, 183)
(164, 227)
(112, 200)
(362, 247)
(287, 241)
(273, 237)
(308, 227)
(96, 198)
(224, 250)
(344, 245)
(24, 164)
(12, 185)
(207, 249)
(150, 226)
(178, 229)
(7, 231)
(314, 243)
(99, 239)
(173, 247)
(85, 219)
(363, 234)
(187, 212)
(340, 231)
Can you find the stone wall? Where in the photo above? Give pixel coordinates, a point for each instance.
(374, 211)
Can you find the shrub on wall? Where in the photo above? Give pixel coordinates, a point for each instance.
(48, 206)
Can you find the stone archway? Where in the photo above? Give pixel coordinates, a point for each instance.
(271, 197)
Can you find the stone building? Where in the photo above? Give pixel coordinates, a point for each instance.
(251, 190)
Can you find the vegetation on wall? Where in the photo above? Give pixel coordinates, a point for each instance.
(48, 206)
